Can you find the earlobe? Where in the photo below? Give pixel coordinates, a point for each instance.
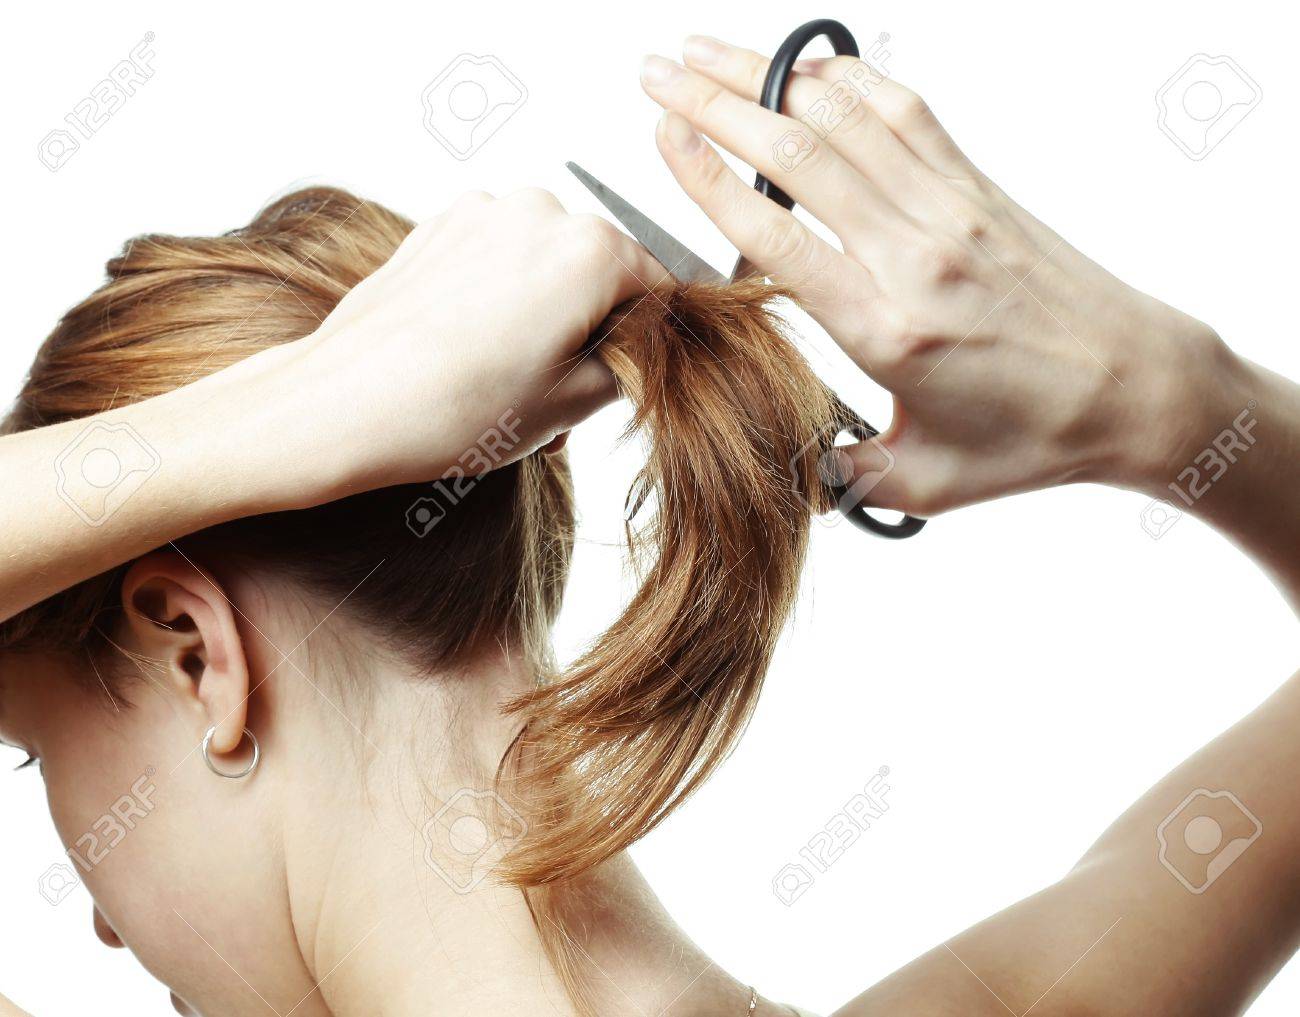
(180, 617)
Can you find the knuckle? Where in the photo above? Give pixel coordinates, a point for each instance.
(794, 148)
(901, 340)
(712, 176)
(858, 118)
(817, 149)
(977, 223)
(944, 262)
(468, 199)
(909, 106)
(591, 237)
(840, 66)
(892, 326)
(535, 197)
(890, 357)
(755, 73)
(710, 103)
(784, 240)
(972, 218)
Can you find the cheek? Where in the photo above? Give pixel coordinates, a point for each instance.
(182, 890)
(172, 854)
(102, 782)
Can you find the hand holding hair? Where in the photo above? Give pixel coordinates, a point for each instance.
(479, 314)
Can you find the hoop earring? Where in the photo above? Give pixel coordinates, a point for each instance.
(207, 755)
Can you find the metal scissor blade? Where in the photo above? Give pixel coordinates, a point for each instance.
(682, 263)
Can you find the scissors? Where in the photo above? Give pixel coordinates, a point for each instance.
(686, 266)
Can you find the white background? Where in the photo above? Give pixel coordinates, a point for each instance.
(1025, 668)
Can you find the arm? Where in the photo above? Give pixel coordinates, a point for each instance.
(1126, 933)
(409, 371)
(207, 445)
(1015, 362)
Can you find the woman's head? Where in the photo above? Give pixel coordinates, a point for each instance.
(403, 631)
(204, 633)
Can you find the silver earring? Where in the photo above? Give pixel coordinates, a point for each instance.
(207, 755)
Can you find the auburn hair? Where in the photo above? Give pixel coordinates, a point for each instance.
(734, 421)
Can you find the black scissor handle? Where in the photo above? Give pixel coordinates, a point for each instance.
(774, 85)
(908, 526)
(780, 71)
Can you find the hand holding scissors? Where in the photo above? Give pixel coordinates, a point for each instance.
(1015, 362)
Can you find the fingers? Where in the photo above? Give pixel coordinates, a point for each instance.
(774, 240)
(836, 111)
(807, 168)
(906, 114)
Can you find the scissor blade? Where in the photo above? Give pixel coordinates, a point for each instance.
(682, 263)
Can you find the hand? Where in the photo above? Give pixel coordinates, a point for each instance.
(467, 346)
(1015, 362)
(466, 349)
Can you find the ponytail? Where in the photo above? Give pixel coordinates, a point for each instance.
(733, 413)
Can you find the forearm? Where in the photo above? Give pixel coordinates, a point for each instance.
(1234, 461)
(83, 496)
(1144, 925)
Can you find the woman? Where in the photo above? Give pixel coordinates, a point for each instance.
(342, 867)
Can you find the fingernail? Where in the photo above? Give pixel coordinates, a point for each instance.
(702, 49)
(655, 70)
(680, 134)
(835, 467)
(810, 66)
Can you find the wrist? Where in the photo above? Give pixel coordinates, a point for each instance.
(1196, 388)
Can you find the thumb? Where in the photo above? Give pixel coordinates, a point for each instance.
(588, 387)
(883, 472)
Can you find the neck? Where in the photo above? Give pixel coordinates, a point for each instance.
(397, 914)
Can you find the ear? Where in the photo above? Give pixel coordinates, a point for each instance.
(180, 617)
